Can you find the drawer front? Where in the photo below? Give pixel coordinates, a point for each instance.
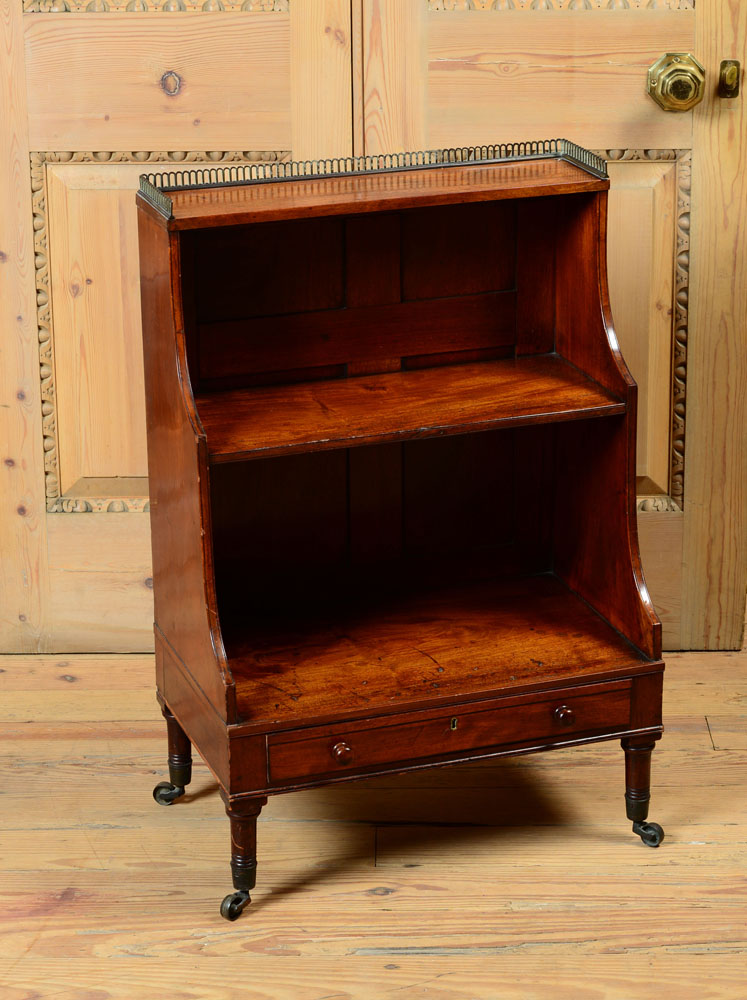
(464, 729)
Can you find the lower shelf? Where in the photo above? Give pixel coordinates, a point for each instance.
(421, 649)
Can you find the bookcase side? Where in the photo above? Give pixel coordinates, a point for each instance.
(597, 552)
(186, 617)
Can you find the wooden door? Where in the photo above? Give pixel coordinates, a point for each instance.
(95, 91)
(93, 94)
(438, 73)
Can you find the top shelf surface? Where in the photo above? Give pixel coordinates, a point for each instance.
(374, 409)
(196, 208)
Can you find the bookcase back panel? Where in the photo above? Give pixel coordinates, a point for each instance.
(268, 270)
(279, 522)
(458, 495)
(295, 530)
(315, 298)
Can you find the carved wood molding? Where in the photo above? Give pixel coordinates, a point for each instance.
(569, 5)
(657, 504)
(639, 155)
(55, 502)
(98, 505)
(681, 294)
(145, 6)
(683, 160)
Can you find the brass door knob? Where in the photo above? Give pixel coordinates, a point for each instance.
(676, 81)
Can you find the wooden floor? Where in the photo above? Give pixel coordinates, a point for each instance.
(519, 879)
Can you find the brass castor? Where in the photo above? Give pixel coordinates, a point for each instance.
(650, 833)
(233, 905)
(165, 793)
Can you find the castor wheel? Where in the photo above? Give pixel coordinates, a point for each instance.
(233, 905)
(165, 793)
(650, 833)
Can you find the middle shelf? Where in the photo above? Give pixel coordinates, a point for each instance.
(337, 413)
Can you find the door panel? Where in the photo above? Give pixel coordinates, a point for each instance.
(94, 284)
(495, 75)
(86, 218)
(24, 574)
(470, 72)
(715, 454)
(175, 86)
(642, 216)
(157, 81)
(93, 93)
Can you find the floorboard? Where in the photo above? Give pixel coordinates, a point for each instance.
(517, 879)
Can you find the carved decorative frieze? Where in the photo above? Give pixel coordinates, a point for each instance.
(144, 6)
(44, 324)
(657, 504)
(569, 5)
(683, 158)
(99, 505)
(681, 291)
(637, 155)
(71, 504)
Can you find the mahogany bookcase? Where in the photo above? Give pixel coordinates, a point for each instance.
(391, 447)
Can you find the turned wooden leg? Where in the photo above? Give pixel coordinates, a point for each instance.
(243, 855)
(638, 789)
(180, 762)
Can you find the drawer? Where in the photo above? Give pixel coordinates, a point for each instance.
(355, 746)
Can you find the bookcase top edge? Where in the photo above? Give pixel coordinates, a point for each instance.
(186, 196)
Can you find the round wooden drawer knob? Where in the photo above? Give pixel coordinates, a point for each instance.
(342, 752)
(564, 715)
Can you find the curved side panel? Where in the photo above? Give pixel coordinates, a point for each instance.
(183, 586)
(649, 620)
(596, 547)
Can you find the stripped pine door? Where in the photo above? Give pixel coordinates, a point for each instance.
(94, 94)
(467, 72)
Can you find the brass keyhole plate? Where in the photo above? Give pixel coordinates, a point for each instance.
(729, 78)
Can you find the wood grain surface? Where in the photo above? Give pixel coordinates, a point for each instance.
(351, 195)
(436, 401)
(660, 539)
(465, 325)
(182, 557)
(320, 79)
(453, 77)
(371, 890)
(543, 70)
(392, 648)
(189, 82)
(95, 285)
(24, 582)
(715, 540)
(642, 215)
(393, 54)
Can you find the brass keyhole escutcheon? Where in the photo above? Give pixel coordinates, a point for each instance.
(676, 81)
(729, 78)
